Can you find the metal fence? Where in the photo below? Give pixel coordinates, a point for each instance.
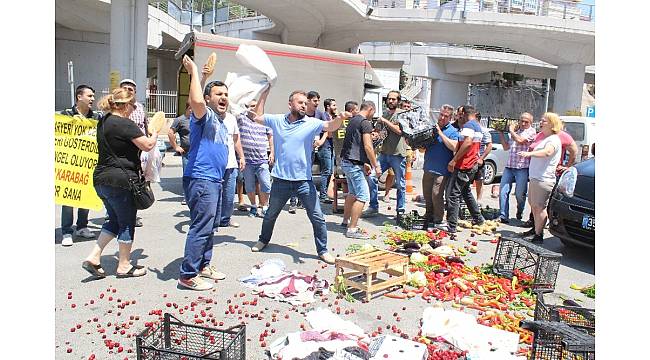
(164, 101)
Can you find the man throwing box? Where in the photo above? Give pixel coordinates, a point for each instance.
(293, 135)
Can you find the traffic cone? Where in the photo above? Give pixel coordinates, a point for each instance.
(409, 175)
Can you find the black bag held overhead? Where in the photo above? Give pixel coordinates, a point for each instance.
(143, 197)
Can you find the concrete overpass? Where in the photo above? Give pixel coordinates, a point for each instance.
(341, 25)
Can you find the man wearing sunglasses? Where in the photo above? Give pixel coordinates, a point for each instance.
(516, 170)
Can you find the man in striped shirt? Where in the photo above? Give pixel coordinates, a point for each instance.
(255, 140)
(516, 169)
(463, 167)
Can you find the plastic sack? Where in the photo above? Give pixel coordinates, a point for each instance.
(151, 162)
(243, 88)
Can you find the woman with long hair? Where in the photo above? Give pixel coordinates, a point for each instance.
(119, 142)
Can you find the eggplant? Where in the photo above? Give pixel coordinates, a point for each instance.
(412, 245)
(435, 243)
(442, 271)
(454, 259)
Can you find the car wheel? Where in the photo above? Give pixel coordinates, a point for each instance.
(490, 172)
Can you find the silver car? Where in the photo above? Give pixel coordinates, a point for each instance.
(496, 160)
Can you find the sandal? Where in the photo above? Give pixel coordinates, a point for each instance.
(93, 269)
(132, 272)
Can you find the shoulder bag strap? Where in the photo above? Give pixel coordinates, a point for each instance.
(117, 160)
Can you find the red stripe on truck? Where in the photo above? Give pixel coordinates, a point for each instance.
(286, 54)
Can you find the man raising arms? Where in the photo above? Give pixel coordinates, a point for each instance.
(293, 136)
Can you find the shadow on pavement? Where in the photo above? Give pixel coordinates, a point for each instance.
(272, 248)
(173, 185)
(179, 226)
(577, 258)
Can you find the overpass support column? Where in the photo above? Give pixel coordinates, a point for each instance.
(449, 92)
(568, 88)
(166, 74)
(128, 42)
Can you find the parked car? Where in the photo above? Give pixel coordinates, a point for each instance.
(571, 209)
(583, 131)
(496, 160)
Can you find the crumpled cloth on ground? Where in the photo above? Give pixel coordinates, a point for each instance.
(349, 353)
(323, 319)
(268, 270)
(242, 88)
(294, 288)
(272, 280)
(329, 332)
(461, 330)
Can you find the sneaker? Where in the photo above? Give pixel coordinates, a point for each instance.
(292, 209)
(67, 240)
(241, 207)
(328, 258)
(84, 233)
(195, 283)
(211, 272)
(519, 216)
(528, 223)
(138, 222)
(343, 224)
(183, 202)
(442, 226)
(233, 224)
(252, 212)
(369, 212)
(264, 210)
(503, 220)
(356, 233)
(478, 222)
(326, 200)
(535, 238)
(258, 246)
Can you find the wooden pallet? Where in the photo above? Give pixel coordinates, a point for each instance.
(360, 270)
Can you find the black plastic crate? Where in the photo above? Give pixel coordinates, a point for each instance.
(417, 127)
(174, 340)
(555, 340)
(411, 221)
(517, 255)
(552, 307)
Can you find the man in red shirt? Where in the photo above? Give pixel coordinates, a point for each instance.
(463, 167)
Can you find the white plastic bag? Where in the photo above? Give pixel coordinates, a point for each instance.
(151, 164)
(243, 88)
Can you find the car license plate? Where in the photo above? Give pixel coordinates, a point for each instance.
(588, 222)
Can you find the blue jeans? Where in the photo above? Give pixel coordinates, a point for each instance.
(325, 157)
(121, 212)
(259, 172)
(398, 163)
(67, 216)
(204, 200)
(520, 177)
(305, 190)
(184, 160)
(228, 196)
(356, 179)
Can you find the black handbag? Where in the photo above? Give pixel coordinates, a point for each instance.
(143, 197)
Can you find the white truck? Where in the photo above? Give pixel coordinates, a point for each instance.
(337, 75)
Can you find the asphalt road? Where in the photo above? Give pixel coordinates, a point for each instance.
(159, 247)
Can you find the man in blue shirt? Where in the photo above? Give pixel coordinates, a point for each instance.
(203, 176)
(436, 175)
(293, 136)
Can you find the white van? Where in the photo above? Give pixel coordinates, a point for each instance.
(583, 131)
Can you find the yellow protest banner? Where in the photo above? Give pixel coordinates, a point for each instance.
(75, 158)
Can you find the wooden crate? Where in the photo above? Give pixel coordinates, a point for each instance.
(360, 270)
(344, 187)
